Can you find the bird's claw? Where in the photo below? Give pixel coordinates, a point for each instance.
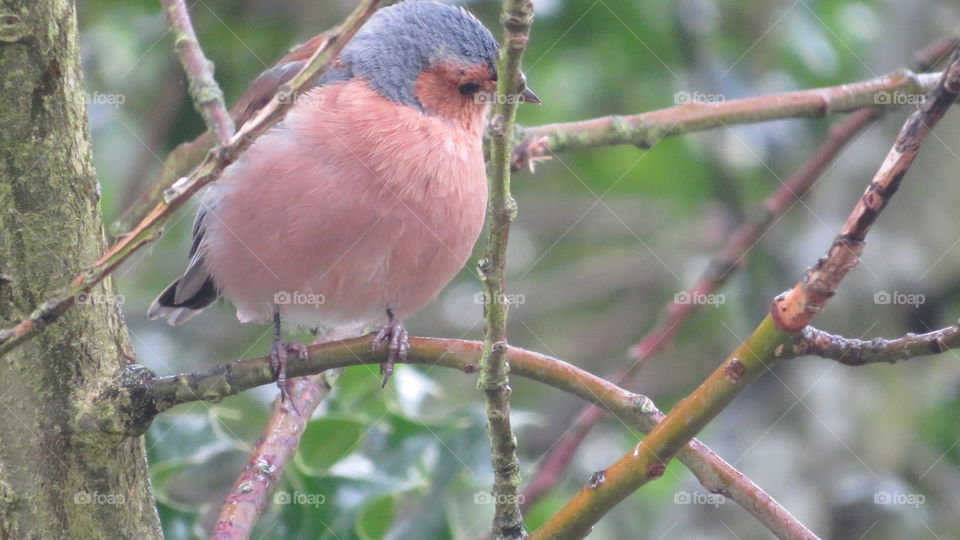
(398, 345)
(279, 352)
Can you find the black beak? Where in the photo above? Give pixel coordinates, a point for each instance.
(527, 95)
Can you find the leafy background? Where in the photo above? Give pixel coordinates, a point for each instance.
(603, 240)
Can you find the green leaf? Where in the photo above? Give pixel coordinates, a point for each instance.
(327, 441)
(189, 484)
(241, 421)
(375, 517)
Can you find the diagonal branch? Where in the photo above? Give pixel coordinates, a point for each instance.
(790, 313)
(153, 394)
(517, 16)
(723, 265)
(281, 435)
(212, 167)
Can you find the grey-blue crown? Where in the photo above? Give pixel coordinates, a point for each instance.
(400, 41)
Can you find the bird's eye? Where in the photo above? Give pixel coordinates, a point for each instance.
(469, 88)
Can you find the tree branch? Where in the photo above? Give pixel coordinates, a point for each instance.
(858, 352)
(150, 228)
(281, 435)
(718, 272)
(790, 313)
(206, 93)
(645, 129)
(517, 16)
(156, 394)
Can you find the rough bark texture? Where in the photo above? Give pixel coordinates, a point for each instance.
(63, 473)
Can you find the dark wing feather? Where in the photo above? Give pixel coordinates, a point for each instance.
(263, 88)
(196, 290)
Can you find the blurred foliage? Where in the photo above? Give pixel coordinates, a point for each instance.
(604, 238)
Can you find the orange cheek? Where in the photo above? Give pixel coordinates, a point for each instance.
(441, 97)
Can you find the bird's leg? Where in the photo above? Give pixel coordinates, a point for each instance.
(398, 345)
(279, 350)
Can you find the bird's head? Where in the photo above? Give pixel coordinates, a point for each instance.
(433, 57)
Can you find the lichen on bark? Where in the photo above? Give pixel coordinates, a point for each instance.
(60, 475)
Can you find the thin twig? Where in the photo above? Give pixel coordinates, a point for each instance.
(206, 93)
(734, 253)
(645, 129)
(249, 495)
(517, 16)
(178, 163)
(790, 313)
(718, 271)
(160, 393)
(858, 352)
(150, 228)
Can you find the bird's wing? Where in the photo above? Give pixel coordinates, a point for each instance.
(195, 290)
(263, 88)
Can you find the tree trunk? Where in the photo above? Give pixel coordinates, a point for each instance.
(62, 475)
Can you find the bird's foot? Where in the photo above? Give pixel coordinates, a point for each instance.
(398, 345)
(279, 352)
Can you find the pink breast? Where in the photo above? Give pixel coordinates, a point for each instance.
(352, 204)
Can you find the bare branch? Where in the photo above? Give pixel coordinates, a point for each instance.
(281, 435)
(517, 16)
(790, 312)
(718, 272)
(206, 93)
(160, 393)
(645, 129)
(858, 352)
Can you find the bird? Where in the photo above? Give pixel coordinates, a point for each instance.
(366, 200)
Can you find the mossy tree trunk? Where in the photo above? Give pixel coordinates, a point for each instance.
(62, 474)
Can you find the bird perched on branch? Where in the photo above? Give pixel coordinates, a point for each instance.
(366, 200)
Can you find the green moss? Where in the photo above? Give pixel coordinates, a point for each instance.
(49, 229)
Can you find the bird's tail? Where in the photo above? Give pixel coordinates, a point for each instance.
(185, 297)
